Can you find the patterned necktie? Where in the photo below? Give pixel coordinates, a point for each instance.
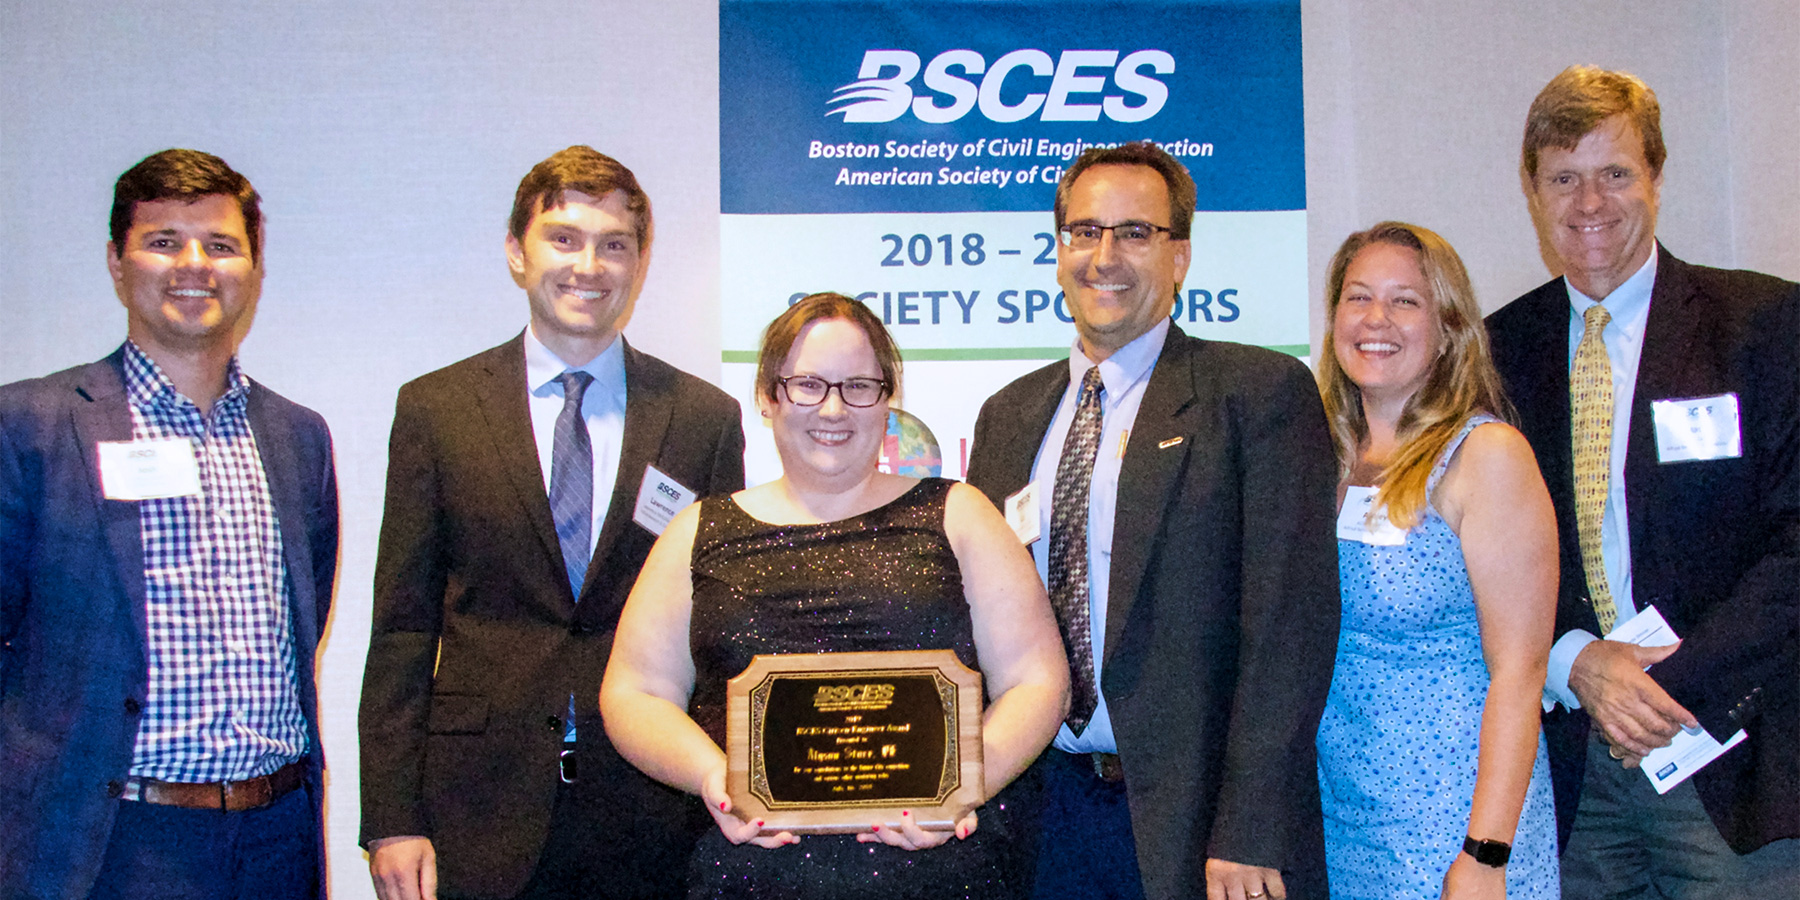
(1069, 548)
(1591, 395)
(572, 481)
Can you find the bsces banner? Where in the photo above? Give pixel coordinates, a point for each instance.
(907, 154)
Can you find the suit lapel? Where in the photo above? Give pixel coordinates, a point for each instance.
(274, 445)
(105, 416)
(1662, 364)
(648, 412)
(1147, 477)
(1029, 428)
(500, 400)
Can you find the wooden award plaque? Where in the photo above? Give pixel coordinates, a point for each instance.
(832, 743)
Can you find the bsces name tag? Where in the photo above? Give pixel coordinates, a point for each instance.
(148, 470)
(1697, 430)
(659, 499)
(1356, 524)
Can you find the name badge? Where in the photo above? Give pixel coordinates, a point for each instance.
(1022, 514)
(1355, 523)
(148, 470)
(659, 499)
(1696, 430)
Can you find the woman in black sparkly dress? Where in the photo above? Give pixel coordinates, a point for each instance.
(836, 556)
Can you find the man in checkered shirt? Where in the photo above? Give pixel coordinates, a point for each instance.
(168, 538)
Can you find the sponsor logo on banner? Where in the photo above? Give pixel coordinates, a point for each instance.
(1121, 90)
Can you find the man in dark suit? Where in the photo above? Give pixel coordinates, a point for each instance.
(526, 485)
(168, 539)
(1178, 496)
(1609, 366)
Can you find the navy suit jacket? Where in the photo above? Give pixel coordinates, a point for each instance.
(73, 669)
(1715, 546)
(1222, 618)
(478, 642)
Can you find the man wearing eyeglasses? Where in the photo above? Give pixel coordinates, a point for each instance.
(1178, 497)
(525, 487)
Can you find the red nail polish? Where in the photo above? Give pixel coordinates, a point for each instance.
(721, 806)
(878, 828)
(759, 823)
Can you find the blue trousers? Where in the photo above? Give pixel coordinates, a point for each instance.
(169, 853)
(1085, 846)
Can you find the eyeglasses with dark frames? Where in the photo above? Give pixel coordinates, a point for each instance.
(811, 390)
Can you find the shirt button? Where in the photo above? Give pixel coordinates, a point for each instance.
(115, 788)
(554, 722)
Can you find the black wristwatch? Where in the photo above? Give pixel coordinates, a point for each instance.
(1488, 853)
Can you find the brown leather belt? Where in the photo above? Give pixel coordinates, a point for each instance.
(230, 796)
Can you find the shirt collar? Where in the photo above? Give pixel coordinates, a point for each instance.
(1628, 301)
(1127, 365)
(147, 386)
(542, 366)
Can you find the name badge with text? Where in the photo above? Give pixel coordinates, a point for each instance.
(1696, 430)
(148, 470)
(1356, 524)
(659, 499)
(1022, 514)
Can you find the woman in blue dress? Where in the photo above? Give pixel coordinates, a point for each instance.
(1434, 778)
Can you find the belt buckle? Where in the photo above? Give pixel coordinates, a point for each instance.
(565, 765)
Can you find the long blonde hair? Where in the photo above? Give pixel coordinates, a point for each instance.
(1461, 383)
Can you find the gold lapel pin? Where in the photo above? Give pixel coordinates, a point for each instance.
(1168, 443)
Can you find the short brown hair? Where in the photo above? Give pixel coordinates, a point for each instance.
(579, 168)
(185, 176)
(778, 339)
(1182, 195)
(1577, 100)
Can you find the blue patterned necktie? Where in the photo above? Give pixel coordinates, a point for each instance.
(572, 481)
(1069, 549)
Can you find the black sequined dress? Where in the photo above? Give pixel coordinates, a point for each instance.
(883, 580)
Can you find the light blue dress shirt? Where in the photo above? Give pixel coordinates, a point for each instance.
(1125, 374)
(602, 406)
(1629, 305)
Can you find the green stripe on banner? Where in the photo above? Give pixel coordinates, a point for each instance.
(960, 354)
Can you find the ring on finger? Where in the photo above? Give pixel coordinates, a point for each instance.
(1613, 752)
(1254, 894)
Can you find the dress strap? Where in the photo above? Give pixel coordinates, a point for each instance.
(1443, 460)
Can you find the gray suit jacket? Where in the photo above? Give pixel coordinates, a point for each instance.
(73, 669)
(1222, 620)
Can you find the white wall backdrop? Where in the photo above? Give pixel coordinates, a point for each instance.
(387, 140)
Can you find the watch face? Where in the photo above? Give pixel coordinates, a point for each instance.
(1488, 853)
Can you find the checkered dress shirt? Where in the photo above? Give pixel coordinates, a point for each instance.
(222, 702)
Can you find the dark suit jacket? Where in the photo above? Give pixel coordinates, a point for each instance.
(477, 642)
(73, 669)
(1222, 620)
(1715, 546)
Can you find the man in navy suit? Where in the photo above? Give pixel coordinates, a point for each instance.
(168, 538)
(1678, 491)
(522, 498)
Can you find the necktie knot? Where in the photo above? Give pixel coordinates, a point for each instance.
(574, 384)
(1091, 383)
(1595, 319)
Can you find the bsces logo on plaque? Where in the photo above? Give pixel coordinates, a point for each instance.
(835, 742)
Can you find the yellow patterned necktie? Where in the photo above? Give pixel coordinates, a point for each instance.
(1591, 394)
